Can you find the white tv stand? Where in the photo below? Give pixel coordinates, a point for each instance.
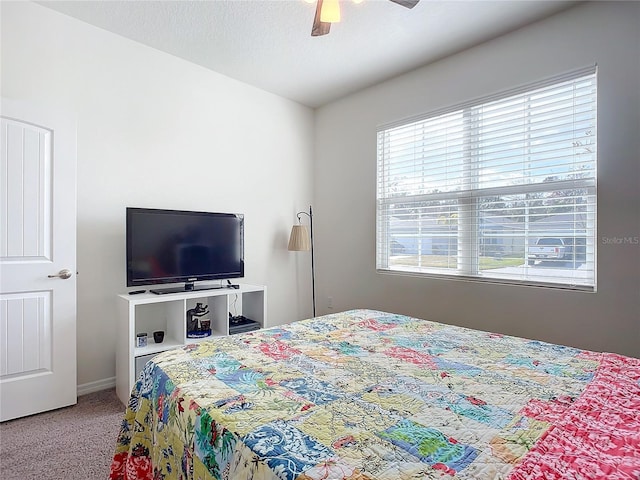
(148, 313)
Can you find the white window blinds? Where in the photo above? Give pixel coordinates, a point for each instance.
(502, 189)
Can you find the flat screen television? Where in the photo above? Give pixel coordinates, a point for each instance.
(174, 246)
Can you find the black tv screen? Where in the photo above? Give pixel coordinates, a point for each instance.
(171, 246)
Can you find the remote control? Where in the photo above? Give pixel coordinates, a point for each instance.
(136, 292)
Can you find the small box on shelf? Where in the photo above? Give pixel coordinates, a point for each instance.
(242, 324)
(141, 339)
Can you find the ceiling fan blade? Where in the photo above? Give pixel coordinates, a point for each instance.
(406, 3)
(319, 28)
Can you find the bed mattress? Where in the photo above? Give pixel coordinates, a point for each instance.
(371, 395)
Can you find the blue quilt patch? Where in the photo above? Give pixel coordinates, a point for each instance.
(314, 390)
(287, 450)
(244, 380)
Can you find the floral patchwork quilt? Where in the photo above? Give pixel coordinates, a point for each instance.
(364, 395)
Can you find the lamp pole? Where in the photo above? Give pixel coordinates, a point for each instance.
(313, 269)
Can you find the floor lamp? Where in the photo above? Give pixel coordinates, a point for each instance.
(301, 240)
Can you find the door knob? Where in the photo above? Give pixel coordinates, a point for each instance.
(63, 274)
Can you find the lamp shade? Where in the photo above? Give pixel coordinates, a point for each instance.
(300, 239)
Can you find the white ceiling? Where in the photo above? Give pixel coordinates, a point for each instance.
(267, 43)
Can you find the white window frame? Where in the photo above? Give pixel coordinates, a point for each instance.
(466, 194)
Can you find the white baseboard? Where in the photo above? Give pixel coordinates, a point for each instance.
(96, 386)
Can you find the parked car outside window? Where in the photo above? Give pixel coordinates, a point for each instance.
(549, 248)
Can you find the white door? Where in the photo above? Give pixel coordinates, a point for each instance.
(37, 242)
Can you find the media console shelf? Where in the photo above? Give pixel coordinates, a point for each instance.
(148, 313)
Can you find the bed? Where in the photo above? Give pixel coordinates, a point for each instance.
(363, 395)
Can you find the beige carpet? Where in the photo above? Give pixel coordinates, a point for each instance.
(73, 443)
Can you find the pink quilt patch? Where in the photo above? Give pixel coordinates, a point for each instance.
(595, 437)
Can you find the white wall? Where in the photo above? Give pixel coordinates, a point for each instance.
(156, 131)
(606, 33)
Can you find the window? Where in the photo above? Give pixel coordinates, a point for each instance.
(501, 189)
